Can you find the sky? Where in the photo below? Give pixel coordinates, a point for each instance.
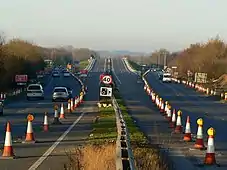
(135, 25)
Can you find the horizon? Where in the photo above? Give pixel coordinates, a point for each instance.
(106, 26)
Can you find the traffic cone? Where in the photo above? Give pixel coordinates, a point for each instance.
(210, 154)
(199, 144)
(29, 135)
(156, 100)
(173, 121)
(72, 106)
(178, 128)
(162, 107)
(153, 97)
(56, 118)
(69, 107)
(168, 116)
(8, 148)
(166, 106)
(160, 103)
(45, 123)
(188, 135)
(62, 114)
(75, 103)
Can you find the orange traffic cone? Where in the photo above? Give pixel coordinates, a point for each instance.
(162, 107)
(62, 114)
(199, 144)
(187, 135)
(168, 116)
(173, 121)
(45, 123)
(29, 135)
(56, 117)
(178, 128)
(71, 104)
(210, 154)
(75, 103)
(160, 103)
(156, 100)
(153, 97)
(166, 106)
(8, 148)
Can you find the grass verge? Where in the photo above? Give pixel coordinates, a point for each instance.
(83, 64)
(134, 65)
(99, 152)
(146, 156)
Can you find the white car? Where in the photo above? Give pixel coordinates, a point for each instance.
(66, 74)
(35, 91)
(60, 93)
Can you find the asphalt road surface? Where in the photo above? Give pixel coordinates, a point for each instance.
(46, 153)
(154, 125)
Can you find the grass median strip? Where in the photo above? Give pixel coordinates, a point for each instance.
(146, 156)
(99, 151)
(83, 64)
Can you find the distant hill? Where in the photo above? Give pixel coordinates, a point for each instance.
(116, 53)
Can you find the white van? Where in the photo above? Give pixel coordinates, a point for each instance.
(166, 77)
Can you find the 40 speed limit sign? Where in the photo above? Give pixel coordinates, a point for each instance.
(107, 79)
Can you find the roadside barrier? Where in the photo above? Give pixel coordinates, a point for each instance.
(125, 159)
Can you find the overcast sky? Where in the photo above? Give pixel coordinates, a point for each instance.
(136, 25)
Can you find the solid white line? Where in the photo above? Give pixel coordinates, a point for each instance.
(50, 150)
(115, 73)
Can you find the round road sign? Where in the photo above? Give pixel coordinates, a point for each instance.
(30, 117)
(107, 79)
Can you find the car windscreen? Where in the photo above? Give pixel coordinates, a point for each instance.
(59, 90)
(34, 88)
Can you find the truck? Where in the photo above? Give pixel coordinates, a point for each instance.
(166, 77)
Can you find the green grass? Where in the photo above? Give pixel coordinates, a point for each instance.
(104, 128)
(136, 136)
(134, 65)
(83, 64)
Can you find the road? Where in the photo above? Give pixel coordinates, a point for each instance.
(31, 156)
(155, 126)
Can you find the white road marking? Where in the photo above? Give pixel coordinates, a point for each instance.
(115, 73)
(50, 150)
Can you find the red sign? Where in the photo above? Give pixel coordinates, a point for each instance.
(107, 79)
(21, 78)
(101, 76)
(83, 71)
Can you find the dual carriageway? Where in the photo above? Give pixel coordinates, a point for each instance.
(143, 111)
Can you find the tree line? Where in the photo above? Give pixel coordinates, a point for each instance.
(19, 56)
(209, 57)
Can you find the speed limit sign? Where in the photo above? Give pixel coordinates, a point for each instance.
(107, 79)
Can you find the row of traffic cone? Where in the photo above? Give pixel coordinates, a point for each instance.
(175, 122)
(8, 152)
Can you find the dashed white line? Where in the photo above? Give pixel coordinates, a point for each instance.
(50, 150)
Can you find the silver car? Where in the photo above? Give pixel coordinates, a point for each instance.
(60, 94)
